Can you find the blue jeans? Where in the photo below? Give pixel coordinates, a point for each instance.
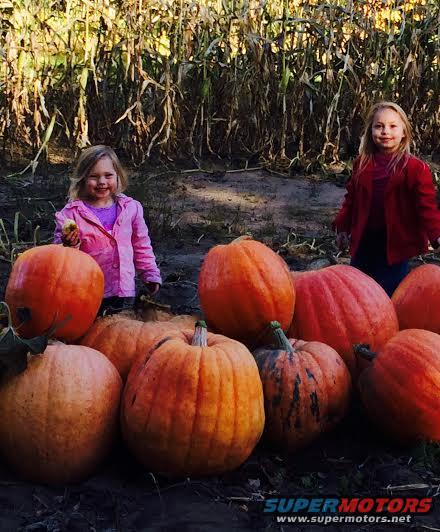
(371, 258)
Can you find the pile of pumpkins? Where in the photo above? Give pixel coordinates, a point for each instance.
(283, 354)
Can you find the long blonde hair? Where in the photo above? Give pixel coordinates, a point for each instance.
(86, 161)
(367, 147)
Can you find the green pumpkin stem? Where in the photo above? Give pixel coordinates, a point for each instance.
(363, 350)
(200, 337)
(281, 340)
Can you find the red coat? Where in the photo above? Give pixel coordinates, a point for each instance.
(411, 213)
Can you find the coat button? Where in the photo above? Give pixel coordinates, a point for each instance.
(115, 266)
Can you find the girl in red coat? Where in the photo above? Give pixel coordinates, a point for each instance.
(390, 212)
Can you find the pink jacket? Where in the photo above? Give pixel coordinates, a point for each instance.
(119, 254)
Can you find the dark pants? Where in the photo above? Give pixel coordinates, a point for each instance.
(371, 258)
(114, 304)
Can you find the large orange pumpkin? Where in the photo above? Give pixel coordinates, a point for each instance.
(401, 387)
(306, 389)
(59, 417)
(50, 283)
(417, 297)
(242, 287)
(341, 306)
(122, 339)
(193, 405)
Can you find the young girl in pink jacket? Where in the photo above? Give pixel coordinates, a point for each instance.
(110, 227)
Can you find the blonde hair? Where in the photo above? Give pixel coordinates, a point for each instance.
(86, 161)
(367, 147)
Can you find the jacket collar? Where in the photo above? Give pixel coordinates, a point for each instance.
(121, 199)
(396, 176)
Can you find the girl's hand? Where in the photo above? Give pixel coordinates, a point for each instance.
(71, 239)
(342, 241)
(153, 288)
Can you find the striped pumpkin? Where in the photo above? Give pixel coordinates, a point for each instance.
(306, 389)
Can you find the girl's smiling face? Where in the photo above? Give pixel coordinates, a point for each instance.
(101, 183)
(387, 130)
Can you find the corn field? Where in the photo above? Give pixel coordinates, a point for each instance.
(283, 81)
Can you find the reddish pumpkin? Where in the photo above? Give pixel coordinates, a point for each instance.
(193, 405)
(416, 299)
(121, 339)
(306, 389)
(52, 283)
(242, 287)
(401, 387)
(341, 306)
(59, 417)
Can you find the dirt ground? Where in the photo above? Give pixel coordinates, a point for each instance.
(188, 212)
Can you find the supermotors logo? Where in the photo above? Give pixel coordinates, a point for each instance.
(368, 505)
(330, 510)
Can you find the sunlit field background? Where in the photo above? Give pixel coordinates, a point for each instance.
(278, 80)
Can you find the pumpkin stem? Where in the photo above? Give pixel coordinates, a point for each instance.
(281, 340)
(200, 337)
(363, 350)
(242, 237)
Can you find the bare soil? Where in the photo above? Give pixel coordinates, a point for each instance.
(189, 212)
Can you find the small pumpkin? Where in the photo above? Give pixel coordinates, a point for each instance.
(245, 279)
(193, 405)
(400, 388)
(122, 339)
(417, 297)
(52, 285)
(306, 389)
(58, 418)
(341, 306)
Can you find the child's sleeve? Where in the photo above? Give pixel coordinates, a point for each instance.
(60, 217)
(144, 258)
(426, 201)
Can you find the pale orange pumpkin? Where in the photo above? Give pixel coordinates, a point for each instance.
(122, 339)
(58, 419)
(193, 405)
